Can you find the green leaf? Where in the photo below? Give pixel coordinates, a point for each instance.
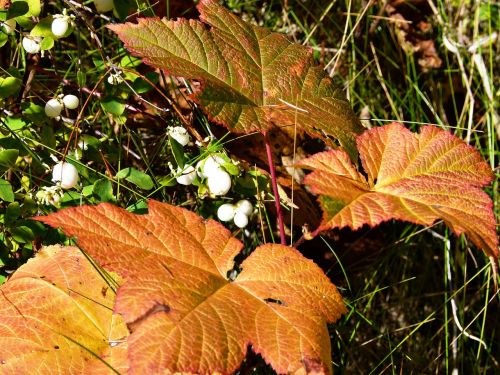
(18, 8)
(167, 181)
(231, 168)
(12, 213)
(43, 28)
(81, 78)
(141, 86)
(140, 207)
(22, 234)
(4, 38)
(25, 20)
(9, 86)
(103, 189)
(130, 61)
(8, 159)
(99, 64)
(138, 178)
(177, 151)
(47, 43)
(15, 123)
(122, 8)
(47, 137)
(6, 192)
(253, 79)
(34, 7)
(34, 112)
(113, 105)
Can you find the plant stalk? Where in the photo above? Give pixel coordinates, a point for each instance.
(275, 189)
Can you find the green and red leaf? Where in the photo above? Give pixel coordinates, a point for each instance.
(253, 79)
(418, 178)
(184, 311)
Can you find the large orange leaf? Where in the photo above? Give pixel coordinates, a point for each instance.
(252, 78)
(56, 317)
(185, 313)
(413, 177)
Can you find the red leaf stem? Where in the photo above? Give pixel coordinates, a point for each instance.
(275, 189)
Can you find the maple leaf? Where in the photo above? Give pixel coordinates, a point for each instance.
(56, 317)
(184, 312)
(252, 78)
(418, 178)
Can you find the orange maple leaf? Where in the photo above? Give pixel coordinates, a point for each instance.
(184, 311)
(56, 316)
(418, 178)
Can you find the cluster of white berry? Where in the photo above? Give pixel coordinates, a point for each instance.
(218, 180)
(54, 107)
(211, 169)
(61, 26)
(238, 212)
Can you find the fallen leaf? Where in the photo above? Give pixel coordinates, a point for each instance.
(184, 311)
(55, 318)
(412, 31)
(418, 178)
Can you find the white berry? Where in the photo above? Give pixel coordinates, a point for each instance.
(187, 177)
(9, 26)
(226, 212)
(219, 183)
(210, 165)
(71, 101)
(103, 6)
(65, 174)
(60, 26)
(31, 44)
(53, 108)
(245, 207)
(179, 134)
(240, 220)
